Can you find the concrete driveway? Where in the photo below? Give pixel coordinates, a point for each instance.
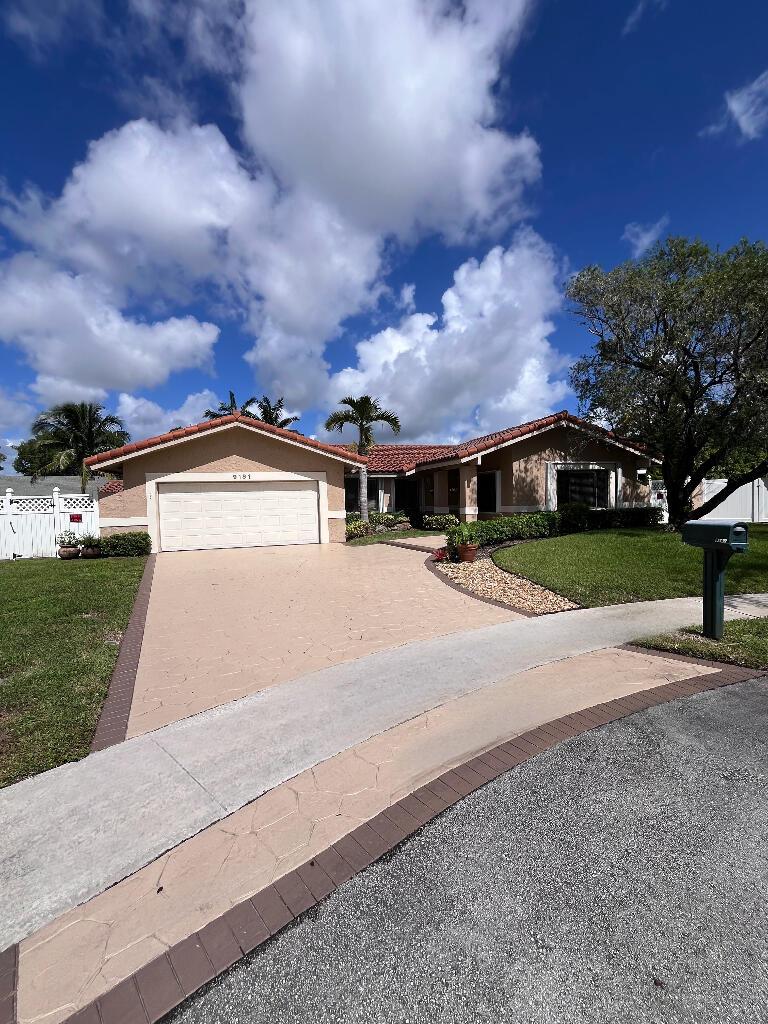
(618, 877)
(224, 624)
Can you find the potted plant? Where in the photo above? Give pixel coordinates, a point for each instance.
(460, 540)
(91, 545)
(68, 544)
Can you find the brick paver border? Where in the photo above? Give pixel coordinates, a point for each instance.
(113, 720)
(164, 983)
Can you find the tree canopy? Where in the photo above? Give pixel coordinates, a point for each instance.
(680, 361)
(231, 407)
(362, 413)
(64, 436)
(272, 413)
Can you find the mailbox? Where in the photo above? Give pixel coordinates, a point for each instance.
(719, 539)
(716, 534)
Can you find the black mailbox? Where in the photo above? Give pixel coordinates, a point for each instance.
(719, 539)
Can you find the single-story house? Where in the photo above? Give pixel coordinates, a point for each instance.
(536, 465)
(228, 482)
(238, 482)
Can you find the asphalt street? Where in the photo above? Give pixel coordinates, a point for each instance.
(620, 877)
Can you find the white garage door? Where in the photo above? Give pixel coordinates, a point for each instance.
(237, 515)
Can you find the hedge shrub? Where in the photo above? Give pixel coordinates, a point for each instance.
(571, 518)
(357, 528)
(122, 545)
(439, 522)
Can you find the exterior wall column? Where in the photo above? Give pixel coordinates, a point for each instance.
(468, 492)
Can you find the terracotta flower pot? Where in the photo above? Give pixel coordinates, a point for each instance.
(467, 552)
(91, 552)
(69, 552)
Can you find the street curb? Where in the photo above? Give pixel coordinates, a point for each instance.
(113, 720)
(166, 982)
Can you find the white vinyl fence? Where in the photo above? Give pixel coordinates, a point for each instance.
(29, 524)
(749, 502)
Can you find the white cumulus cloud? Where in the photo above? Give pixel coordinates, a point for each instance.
(486, 363)
(145, 418)
(642, 236)
(365, 126)
(80, 344)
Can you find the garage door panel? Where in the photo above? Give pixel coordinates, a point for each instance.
(199, 515)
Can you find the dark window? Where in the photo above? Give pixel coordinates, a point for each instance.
(429, 491)
(486, 492)
(585, 486)
(352, 493)
(373, 494)
(453, 489)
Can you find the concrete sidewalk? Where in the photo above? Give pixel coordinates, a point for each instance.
(73, 831)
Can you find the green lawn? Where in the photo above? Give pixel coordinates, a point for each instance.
(617, 566)
(745, 642)
(377, 538)
(60, 626)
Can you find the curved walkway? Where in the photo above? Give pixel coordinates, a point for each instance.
(128, 804)
(619, 876)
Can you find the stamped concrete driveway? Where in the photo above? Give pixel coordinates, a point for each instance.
(224, 624)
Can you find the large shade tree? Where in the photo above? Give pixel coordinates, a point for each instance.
(64, 436)
(362, 413)
(680, 361)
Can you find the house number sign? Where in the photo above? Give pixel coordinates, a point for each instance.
(241, 476)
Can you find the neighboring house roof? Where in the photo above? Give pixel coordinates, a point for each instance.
(383, 458)
(186, 433)
(113, 487)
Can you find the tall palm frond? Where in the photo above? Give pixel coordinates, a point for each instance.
(362, 413)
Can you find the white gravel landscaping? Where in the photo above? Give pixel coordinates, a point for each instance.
(485, 579)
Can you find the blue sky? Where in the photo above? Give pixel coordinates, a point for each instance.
(311, 200)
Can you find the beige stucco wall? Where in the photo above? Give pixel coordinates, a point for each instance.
(233, 450)
(523, 466)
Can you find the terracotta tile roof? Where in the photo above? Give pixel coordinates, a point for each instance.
(199, 428)
(385, 458)
(112, 487)
(389, 458)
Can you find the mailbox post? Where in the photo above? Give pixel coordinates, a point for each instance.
(719, 539)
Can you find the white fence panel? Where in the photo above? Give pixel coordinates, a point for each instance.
(749, 502)
(29, 524)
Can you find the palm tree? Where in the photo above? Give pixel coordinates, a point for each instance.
(230, 408)
(65, 435)
(362, 413)
(273, 414)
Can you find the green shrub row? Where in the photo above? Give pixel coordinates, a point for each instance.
(123, 545)
(567, 519)
(357, 528)
(438, 521)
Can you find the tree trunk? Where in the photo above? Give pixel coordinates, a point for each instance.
(363, 500)
(363, 476)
